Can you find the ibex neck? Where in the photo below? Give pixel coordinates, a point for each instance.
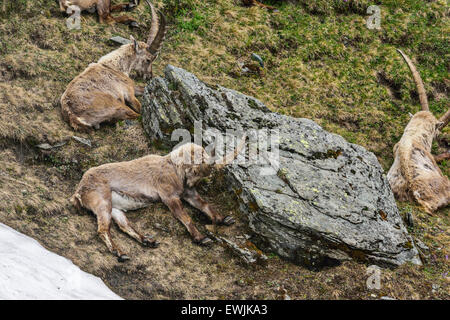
(122, 59)
(421, 128)
(179, 168)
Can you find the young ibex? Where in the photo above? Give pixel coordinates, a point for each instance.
(111, 189)
(104, 9)
(415, 174)
(104, 92)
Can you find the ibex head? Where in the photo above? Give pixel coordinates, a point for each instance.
(146, 53)
(197, 164)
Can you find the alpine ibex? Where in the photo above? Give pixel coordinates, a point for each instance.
(111, 189)
(104, 9)
(415, 174)
(103, 92)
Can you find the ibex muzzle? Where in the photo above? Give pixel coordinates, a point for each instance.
(104, 91)
(112, 189)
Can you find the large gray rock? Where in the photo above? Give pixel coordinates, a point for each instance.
(327, 200)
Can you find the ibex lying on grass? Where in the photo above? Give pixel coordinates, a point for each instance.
(104, 9)
(415, 174)
(111, 189)
(104, 92)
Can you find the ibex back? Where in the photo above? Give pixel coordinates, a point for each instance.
(104, 91)
(111, 189)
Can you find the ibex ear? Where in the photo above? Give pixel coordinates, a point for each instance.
(135, 43)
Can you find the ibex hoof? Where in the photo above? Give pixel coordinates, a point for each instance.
(149, 242)
(228, 221)
(134, 24)
(123, 258)
(205, 241)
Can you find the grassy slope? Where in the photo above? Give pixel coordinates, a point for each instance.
(321, 63)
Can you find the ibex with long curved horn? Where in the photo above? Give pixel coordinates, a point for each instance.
(415, 174)
(111, 189)
(103, 8)
(104, 92)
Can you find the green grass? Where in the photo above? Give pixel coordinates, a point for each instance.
(322, 61)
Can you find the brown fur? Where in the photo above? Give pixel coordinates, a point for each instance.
(415, 174)
(111, 189)
(103, 7)
(104, 92)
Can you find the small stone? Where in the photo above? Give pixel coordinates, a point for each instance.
(422, 246)
(162, 228)
(83, 141)
(120, 40)
(44, 146)
(258, 59)
(246, 255)
(409, 219)
(128, 123)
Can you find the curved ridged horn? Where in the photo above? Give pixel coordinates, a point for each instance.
(418, 80)
(154, 25)
(229, 157)
(157, 30)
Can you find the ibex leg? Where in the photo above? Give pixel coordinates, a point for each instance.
(195, 200)
(124, 225)
(99, 202)
(176, 207)
(126, 20)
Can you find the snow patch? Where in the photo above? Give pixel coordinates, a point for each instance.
(29, 271)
